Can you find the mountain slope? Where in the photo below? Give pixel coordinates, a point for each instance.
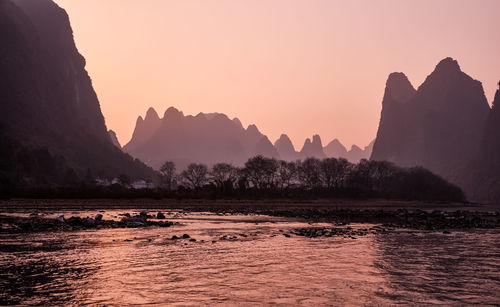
(48, 103)
(285, 148)
(312, 148)
(485, 172)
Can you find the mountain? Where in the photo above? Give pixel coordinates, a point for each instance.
(144, 128)
(439, 126)
(355, 154)
(485, 172)
(313, 148)
(50, 111)
(285, 148)
(392, 132)
(204, 138)
(114, 139)
(335, 149)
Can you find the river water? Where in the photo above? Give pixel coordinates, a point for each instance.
(253, 264)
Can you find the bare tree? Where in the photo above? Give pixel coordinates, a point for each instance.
(224, 174)
(195, 175)
(167, 171)
(334, 172)
(124, 180)
(261, 172)
(286, 173)
(309, 172)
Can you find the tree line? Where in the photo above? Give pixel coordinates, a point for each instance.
(259, 177)
(312, 177)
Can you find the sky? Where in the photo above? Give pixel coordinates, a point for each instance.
(299, 67)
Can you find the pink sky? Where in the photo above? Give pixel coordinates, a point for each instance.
(289, 66)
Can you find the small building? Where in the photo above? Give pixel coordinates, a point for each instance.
(142, 184)
(102, 182)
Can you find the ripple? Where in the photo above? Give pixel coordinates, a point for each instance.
(100, 267)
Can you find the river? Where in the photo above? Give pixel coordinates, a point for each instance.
(246, 260)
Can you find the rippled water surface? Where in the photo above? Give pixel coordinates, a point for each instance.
(255, 264)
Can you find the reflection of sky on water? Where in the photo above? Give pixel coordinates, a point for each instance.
(255, 264)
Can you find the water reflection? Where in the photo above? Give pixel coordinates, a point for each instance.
(42, 270)
(254, 264)
(436, 268)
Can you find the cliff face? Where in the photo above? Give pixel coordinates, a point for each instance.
(47, 97)
(485, 173)
(390, 143)
(204, 138)
(438, 127)
(114, 139)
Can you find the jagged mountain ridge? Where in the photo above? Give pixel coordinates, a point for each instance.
(212, 138)
(206, 138)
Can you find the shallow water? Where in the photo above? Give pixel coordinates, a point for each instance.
(256, 264)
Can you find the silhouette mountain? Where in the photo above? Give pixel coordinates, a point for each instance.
(285, 148)
(313, 148)
(484, 174)
(114, 139)
(355, 154)
(335, 149)
(144, 128)
(439, 126)
(204, 138)
(49, 109)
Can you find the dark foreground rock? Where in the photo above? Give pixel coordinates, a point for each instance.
(34, 223)
(314, 232)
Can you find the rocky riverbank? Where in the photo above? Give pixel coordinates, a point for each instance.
(35, 223)
(400, 218)
(390, 214)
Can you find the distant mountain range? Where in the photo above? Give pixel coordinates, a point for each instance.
(214, 137)
(446, 125)
(204, 138)
(52, 130)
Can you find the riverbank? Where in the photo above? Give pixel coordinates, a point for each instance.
(243, 204)
(397, 214)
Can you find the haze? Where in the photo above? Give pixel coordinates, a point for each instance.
(295, 67)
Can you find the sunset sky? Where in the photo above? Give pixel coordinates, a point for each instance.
(289, 66)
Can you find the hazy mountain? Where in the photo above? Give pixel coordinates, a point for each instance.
(204, 138)
(335, 149)
(50, 112)
(355, 154)
(313, 148)
(144, 128)
(285, 148)
(439, 126)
